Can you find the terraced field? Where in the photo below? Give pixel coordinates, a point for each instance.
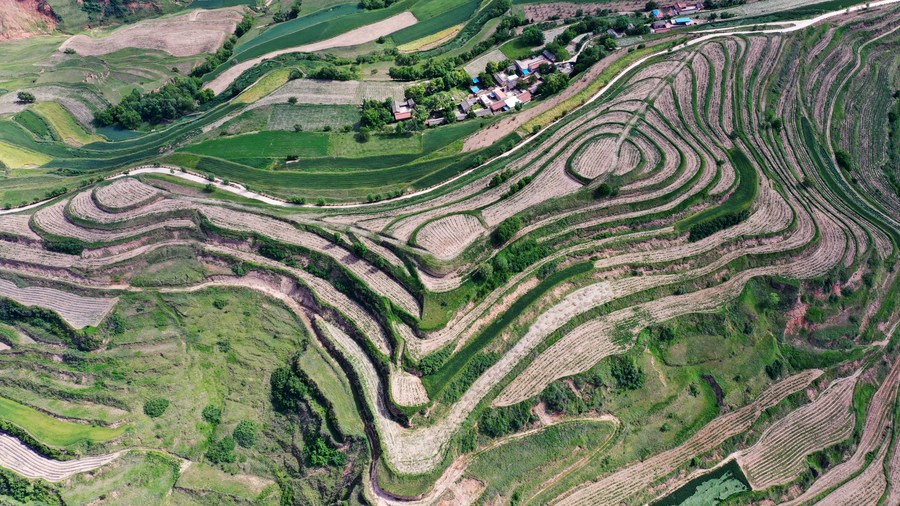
(683, 269)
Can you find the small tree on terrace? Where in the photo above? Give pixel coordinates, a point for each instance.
(25, 97)
(533, 36)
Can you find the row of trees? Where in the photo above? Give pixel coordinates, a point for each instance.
(168, 103)
(375, 4)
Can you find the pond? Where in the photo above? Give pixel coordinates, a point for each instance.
(709, 489)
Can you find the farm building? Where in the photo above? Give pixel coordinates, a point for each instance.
(529, 65)
(656, 13)
(659, 26)
(682, 21)
(403, 110)
(508, 81)
(686, 8)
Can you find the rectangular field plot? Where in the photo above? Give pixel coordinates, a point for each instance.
(311, 91)
(312, 116)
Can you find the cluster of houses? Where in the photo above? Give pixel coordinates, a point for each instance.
(511, 86)
(677, 16)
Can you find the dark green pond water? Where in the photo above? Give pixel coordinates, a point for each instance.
(709, 489)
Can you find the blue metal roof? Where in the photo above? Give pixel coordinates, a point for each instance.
(475, 80)
(682, 20)
(525, 72)
(475, 89)
(656, 12)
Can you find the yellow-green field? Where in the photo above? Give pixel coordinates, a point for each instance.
(425, 42)
(64, 124)
(15, 157)
(264, 86)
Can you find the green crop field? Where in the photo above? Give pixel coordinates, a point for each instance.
(51, 431)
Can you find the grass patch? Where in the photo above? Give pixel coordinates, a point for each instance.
(203, 478)
(715, 218)
(332, 382)
(528, 462)
(54, 432)
(516, 49)
(136, 478)
(277, 144)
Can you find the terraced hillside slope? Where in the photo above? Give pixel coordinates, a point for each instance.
(683, 290)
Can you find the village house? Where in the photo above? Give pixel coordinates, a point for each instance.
(530, 65)
(403, 110)
(659, 27)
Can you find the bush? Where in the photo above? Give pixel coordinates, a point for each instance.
(710, 227)
(507, 230)
(506, 420)
(212, 414)
(245, 433)
(318, 454)
(627, 373)
(605, 190)
(843, 159)
(222, 451)
(155, 407)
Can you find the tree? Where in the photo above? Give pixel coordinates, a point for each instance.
(651, 5)
(212, 414)
(553, 83)
(287, 388)
(244, 26)
(245, 433)
(25, 97)
(292, 100)
(532, 36)
(155, 407)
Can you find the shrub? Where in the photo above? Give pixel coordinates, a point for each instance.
(507, 230)
(245, 433)
(222, 451)
(155, 407)
(605, 190)
(506, 420)
(212, 414)
(318, 454)
(627, 373)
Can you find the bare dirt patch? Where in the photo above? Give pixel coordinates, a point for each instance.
(196, 32)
